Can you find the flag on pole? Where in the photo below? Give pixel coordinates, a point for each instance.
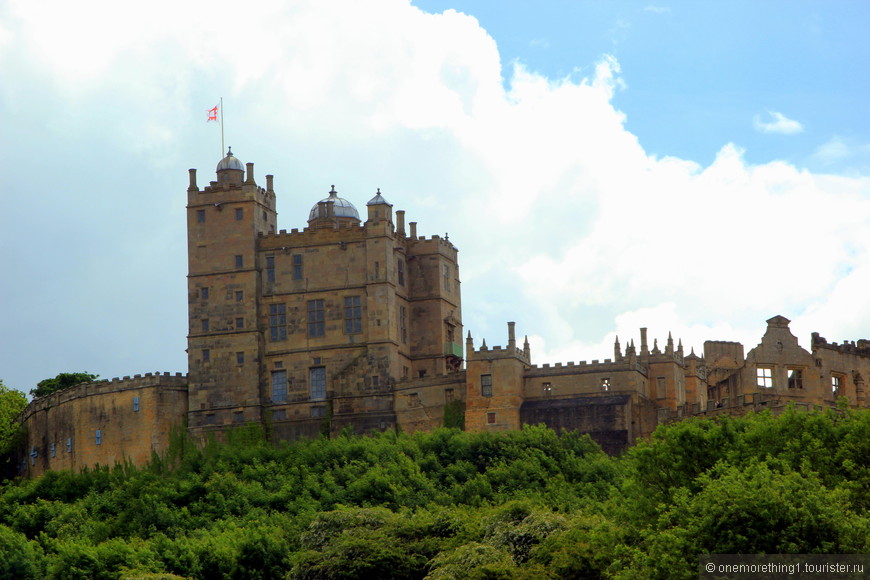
(212, 114)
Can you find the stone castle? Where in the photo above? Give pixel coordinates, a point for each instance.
(358, 324)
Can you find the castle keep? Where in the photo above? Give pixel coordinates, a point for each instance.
(356, 322)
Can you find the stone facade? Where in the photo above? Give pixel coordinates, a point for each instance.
(352, 324)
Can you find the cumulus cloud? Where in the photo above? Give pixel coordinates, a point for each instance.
(777, 123)
(564, 222)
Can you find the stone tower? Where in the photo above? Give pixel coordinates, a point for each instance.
(225, 345)
(310, 331)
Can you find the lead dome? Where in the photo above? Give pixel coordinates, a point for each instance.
(230, 162)
(341, 208)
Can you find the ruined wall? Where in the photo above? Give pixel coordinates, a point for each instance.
(103, 422)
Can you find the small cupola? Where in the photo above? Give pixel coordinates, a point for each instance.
(379, 208)
(230, 169)
(333, 209)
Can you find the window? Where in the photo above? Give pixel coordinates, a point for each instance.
(317, 382)
(490, 418)
(203, 293)
(297, 266)
(240, 322)
(210, 419)
(240, 295)
(446, 277)
(240, 261)
(270, 268)
(53, 450)
(240, 214)
(448, 395)
(200, 216)
(238, 416)
(99, 437)
(240, 358)
(414, 400)
(485, 385)
(206, 355)
(403, 325)
(352, 315)
(376, 380)
(204, 323)
(764, 377)
(836, 383)
(69, 444)
(277, 322)
(400, 268)
(318, 411)
(279, 415)
(547, 388)
(377, 270)
(279, 386)
(795, 379)
(605, 384)
(135, 404)
(316, 317)
(661, 390)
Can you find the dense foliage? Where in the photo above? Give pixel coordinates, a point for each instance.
(452, 505)
(60, 382)
(12, 402)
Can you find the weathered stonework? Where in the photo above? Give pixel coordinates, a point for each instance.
(103, 422)
(352, 324)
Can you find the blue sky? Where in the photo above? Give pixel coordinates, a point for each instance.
(692, 167)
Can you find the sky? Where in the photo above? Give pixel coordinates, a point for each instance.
(690, 167)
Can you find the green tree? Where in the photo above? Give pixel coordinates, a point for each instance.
(12, 402)
(61, 381)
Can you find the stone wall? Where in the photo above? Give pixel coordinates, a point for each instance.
(103, 422)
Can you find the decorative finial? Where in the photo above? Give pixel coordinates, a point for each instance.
(229, 151)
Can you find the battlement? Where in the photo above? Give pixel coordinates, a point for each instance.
(436, 243)
(341, 233)
(860, 348)
(103, 387)
(583, 367)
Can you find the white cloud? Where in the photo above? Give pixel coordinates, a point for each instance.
(778, 123)
(564, 222)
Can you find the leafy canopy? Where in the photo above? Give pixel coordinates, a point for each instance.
(60, 382)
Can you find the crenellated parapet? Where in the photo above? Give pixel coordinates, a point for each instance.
(105, 387)
(583, 367)
(860, 347)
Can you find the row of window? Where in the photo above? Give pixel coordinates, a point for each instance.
(764, 377)
(239, 215)
(271, 276)
(270, 268)
(316, 384)
(317, 319)
(795, 377)
(206, 356)
(204, 293)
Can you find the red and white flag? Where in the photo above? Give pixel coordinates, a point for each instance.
(212, 114)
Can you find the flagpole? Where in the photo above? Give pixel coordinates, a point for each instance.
(222, 126)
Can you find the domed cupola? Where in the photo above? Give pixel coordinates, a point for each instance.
(230, 169)
(333, 208)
